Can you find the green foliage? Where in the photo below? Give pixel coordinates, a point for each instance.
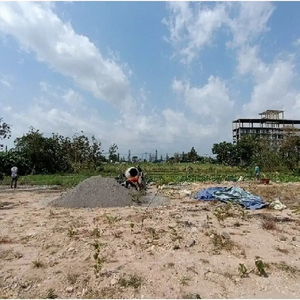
(243, 271)
(5, 130)
(270, 156)
(112, 151)
(99, 260)
(261, 267)
(36, 154)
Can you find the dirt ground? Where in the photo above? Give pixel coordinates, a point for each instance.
(186, 249)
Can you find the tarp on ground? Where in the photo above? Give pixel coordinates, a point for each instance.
(233, 195)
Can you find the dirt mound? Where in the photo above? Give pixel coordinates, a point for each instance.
(96, 191)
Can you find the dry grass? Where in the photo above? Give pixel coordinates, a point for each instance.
(222, 244)
(283, 266)
(5, 240)
(38, 264)
(134, 281)
(269, 224)
(72, 277)
(185, 280)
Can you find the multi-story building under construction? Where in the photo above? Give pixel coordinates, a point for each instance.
(271, 124)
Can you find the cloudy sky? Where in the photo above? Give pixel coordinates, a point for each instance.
(147, 75)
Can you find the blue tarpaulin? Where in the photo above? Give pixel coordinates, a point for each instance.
(231, 194)
(208, 194)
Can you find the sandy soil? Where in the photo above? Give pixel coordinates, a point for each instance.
(182, 250)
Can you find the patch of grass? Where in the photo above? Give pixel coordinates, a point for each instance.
(174, 234)
(153, 233)
(191, 296)
(222, 244)
(243, 272)
(223, 212)
(185, 280)
(72, 277)
(51, 294)
(170, 265)
(205, 261)
(95, 232)
(133, 280)
(117, 234)
(111, 219)
(38, 264)
(105, 293)
(261, 266)
(237, 224)
(5, 240)
(71, 231)
(269, 224)
(99, 259)
(283, 266)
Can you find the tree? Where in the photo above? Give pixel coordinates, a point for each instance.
(113, 153)
(248, 147)
(290, 149)
(192, 155)
(5, 130)
(227, 153)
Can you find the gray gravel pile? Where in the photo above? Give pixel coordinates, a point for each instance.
(96, 191)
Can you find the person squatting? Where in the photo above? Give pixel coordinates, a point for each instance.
(134, 177)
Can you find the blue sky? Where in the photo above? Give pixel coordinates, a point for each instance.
(147, 75)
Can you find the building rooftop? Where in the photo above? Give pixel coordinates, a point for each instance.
(271, 112)
(277, 121)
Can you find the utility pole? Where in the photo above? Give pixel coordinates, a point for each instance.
(129, 156)
(145, 153)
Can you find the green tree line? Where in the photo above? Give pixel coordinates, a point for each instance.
(271, 155)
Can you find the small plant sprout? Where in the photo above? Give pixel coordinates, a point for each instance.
(260, 266)
(242, 271)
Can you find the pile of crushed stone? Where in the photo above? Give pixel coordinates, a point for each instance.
(96, 191)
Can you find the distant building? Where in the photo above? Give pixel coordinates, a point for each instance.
(271, 124)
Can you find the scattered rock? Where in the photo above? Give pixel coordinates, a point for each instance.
(185, 193)
(69, 289)
(114, 281)
(205, 225)
(191, 243)
(282, 238)
(293, 238)
(188, 224)
(225, 235)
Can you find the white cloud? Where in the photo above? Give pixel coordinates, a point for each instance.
(6, 83)
(55, 43)
(193, 29)
(250, 22)
(209, 101)
(273, 83)
(296, 43)
(72, 98)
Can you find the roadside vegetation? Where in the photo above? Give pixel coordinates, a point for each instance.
(65, 161)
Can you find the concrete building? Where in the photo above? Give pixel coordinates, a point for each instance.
(271, 124)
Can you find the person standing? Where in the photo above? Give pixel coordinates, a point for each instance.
(14, 177)
(257, 171)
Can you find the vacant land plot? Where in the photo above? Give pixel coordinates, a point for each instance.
(186, 249)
